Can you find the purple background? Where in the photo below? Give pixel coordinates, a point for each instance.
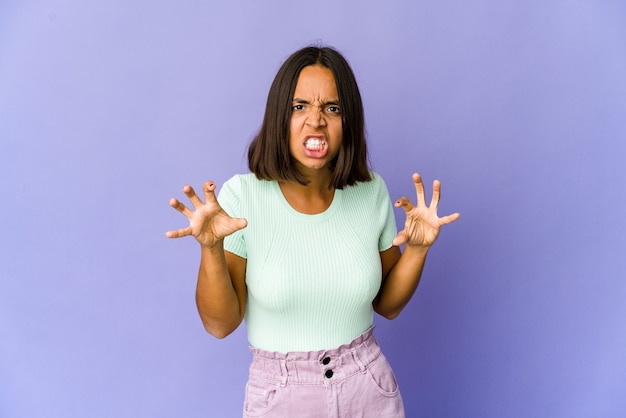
(108, 108)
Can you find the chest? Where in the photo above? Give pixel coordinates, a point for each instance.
(299, 263)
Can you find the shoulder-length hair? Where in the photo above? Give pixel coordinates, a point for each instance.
(268, 153)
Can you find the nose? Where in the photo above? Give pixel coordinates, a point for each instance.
(315, 118)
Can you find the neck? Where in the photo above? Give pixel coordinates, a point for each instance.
(312, 198)
(319, 180)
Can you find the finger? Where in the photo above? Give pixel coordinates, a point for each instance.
(449, 219)
(405, 204)
(240, 223)
(434, 203)
(209, 191)
(419, 188)
(176, 204)
(179, 233)
(400, 239)
(193, 197)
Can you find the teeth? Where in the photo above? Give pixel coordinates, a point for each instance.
(314, 144)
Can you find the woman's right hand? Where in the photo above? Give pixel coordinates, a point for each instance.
(208, 222)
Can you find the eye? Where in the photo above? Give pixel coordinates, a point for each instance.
(334, 109)
(297, 107)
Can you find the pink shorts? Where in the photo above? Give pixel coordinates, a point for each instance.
(353, 380)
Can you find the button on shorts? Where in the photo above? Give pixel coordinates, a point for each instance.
(353, 380)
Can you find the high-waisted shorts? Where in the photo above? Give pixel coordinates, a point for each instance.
(351, 381)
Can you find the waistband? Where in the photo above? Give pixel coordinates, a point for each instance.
(316, 367)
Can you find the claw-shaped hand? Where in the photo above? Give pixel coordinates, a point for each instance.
(422, 224)
(208, 222)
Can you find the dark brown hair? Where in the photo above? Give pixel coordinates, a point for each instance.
(268, 154)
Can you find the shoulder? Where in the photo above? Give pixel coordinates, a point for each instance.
(377, 179)
(240, 178)
(375, 184)
(247, 181)
(368, 192)
(245, 186)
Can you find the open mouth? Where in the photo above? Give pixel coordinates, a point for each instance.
(315, 144)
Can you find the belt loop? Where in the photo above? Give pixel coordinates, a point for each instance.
(357, 359)
(284, 373)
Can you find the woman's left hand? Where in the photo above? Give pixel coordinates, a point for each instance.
(422, 224)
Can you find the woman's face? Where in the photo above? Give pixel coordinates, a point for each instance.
(316, 133)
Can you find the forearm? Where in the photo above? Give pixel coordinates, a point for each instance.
(217, 297)
(401, 282)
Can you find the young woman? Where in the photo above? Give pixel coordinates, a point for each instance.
(304, 249)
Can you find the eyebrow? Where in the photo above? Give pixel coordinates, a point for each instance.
(329, 102)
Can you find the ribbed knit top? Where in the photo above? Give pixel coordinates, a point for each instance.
(311, 279)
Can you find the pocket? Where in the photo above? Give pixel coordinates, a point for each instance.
(381, 375)
(259, 398)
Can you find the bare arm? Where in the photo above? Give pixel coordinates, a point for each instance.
(402, 272)
(405, 272)
(221, 289)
